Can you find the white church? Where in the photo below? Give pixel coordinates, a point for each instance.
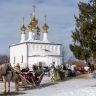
(33, 50)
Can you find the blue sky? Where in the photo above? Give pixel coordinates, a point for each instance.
(60, 19)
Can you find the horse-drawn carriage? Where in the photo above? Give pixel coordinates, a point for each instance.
(14, 74)
(34, 76)
(30, 76)
(82, 69)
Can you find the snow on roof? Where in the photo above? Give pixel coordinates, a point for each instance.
(34, 41)
(38, 41)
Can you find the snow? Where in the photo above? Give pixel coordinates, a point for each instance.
(72, 87)
(34, 41)
(82, 85)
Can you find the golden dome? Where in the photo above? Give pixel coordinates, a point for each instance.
(23, 29)
(31, 26)
(45, 28)
(34, 21)
(38, 29)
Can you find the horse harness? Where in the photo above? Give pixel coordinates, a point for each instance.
(7, 69)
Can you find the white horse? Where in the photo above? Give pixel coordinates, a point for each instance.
(52, 74)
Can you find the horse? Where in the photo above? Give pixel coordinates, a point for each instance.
(52, 74)
(9, 74)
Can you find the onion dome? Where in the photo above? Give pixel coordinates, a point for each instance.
(31, 26)
(34, 21)
(45, 27)
(38, 30)
(23, 28)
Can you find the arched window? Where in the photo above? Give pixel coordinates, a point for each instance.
(14, 60)
(22, 59)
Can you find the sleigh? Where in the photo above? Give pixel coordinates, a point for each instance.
(29, 76)
(81, 69)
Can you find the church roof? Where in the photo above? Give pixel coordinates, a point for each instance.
(38, 41)
(35, 42)
(44, 52)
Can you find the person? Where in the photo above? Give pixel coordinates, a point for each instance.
(17, 68)
(17, 65)
(25, 69)
(44, 69)
(92, 68)
(53, 65)
(61, 71)
(64, 67)
(34, 68)
(73, 68)
(89, 65)
(38, 73)
(57, 77)
(69, 68)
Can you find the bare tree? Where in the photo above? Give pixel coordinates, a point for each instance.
(4, 58)
(64, 54)
(72, 59)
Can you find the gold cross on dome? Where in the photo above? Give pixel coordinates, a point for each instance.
(23, 19)
(30, 16)
(34, 8)
(45, 17)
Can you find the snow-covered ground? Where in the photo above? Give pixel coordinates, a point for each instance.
(82, 85)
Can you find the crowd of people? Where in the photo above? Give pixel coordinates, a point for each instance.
(66, 70)
(70, 69)
(37, 70)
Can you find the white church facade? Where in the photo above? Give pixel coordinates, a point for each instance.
(33, 50)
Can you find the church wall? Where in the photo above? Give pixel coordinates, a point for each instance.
(19, 53)
(38, 47)
(21, 50)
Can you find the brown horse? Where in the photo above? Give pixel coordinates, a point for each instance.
(9, 74)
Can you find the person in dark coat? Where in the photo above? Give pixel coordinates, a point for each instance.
(92, 68)
(89, 65)
(38, 72)
(25, 69)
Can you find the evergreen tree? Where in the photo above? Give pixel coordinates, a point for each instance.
(84, 36)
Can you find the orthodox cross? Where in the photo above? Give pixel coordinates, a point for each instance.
(23, 19)
(45, 17)
(34, 8)
(30, 16)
